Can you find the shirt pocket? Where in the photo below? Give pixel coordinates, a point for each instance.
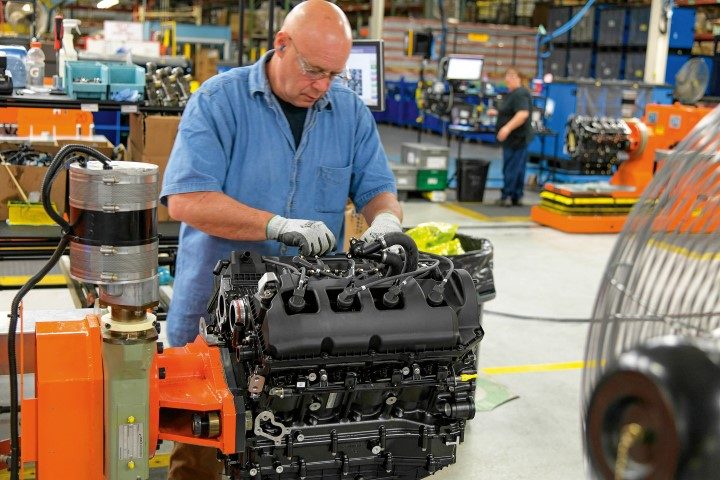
(333, 186)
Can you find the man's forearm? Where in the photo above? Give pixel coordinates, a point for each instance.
(383, 202)
(219, 215)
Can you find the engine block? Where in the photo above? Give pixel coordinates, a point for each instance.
(360, 366)
(597, 144)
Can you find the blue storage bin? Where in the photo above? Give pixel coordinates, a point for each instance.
(126, 77)
(673, 65)
(638, 26)
(75, 70)
(608, 65)
(635, 66)
(557, 17)
(584, 31)
(611, 27)
(682, 28)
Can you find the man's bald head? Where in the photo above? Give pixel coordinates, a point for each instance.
(318, 23)
(311, 48)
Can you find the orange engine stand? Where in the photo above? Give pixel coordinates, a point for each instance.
(603, 208)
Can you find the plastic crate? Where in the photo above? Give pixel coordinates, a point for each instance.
(126, 77)
(556, 63)
(584, 31)
(612, 27)
(638, 26)
(405, 176)
(579, 61)
(557, 17)
(608, 65)
(76, 70)
(635, 66)
(428, 180)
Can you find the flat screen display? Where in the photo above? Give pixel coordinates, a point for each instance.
(464, 68)
(365, 72)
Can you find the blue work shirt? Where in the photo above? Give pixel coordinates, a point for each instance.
(234, 138)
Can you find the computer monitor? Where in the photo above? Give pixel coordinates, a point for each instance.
(366, 72)
(465, 67)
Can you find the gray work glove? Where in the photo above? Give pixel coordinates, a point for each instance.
(313, 237)
(383, 224)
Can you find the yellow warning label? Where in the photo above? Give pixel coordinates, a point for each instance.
(478, 37)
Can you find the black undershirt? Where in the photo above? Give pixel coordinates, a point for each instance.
(295, 117)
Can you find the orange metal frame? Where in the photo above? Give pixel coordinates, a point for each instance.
(61, 122)
(62, 427)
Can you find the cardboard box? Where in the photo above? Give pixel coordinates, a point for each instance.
(206, 63)
(101, 144)
(355, 225)
(30, 180)
(162, 131)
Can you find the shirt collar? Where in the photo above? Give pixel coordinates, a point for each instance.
(259, 83)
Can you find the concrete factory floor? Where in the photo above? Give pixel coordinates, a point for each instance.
(538, 272)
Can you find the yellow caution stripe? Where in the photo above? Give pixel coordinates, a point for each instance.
(684, 251)
(589, 210)
(537, 368)
(556, 197)
(20, 280)
(479, 216)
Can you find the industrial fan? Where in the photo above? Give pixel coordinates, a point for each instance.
(651, 388)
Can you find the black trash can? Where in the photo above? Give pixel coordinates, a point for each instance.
(472, 175)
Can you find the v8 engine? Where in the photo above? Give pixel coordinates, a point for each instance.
(357, 366)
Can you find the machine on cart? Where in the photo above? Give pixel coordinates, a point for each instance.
(634, 147)
(357, 365)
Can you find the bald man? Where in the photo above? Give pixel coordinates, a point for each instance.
(264, 160)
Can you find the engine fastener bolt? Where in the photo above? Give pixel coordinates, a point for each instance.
(376, 449)
(312, 376)
(279, 468)
(253, 472)
(416, 371)
(299, 437)
(405, 371)
(315, 406)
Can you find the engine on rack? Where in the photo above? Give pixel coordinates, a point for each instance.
(597, 144)
(355, 366)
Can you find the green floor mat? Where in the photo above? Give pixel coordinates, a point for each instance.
(491, 394)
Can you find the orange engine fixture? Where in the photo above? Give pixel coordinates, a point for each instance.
(603, 207)
(187, 386)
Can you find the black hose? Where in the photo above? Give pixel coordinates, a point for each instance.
(53, 170)
(408, 244)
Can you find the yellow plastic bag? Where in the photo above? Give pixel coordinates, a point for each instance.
(437, 237)
(452, 247)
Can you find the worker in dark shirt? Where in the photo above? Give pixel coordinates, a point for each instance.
(514, 132)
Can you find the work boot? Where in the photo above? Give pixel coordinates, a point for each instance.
(516, 202)
(502, 202)
(193, 462)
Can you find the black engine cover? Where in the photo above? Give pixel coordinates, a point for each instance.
(377, 385)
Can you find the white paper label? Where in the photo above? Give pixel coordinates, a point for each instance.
(89, 107)
(432, 181)
(128, 108)
(331, 400)
(132, 444)
(402, 181)
(438, 163)
(411, 158)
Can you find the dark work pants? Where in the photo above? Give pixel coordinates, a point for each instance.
(514, 164)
